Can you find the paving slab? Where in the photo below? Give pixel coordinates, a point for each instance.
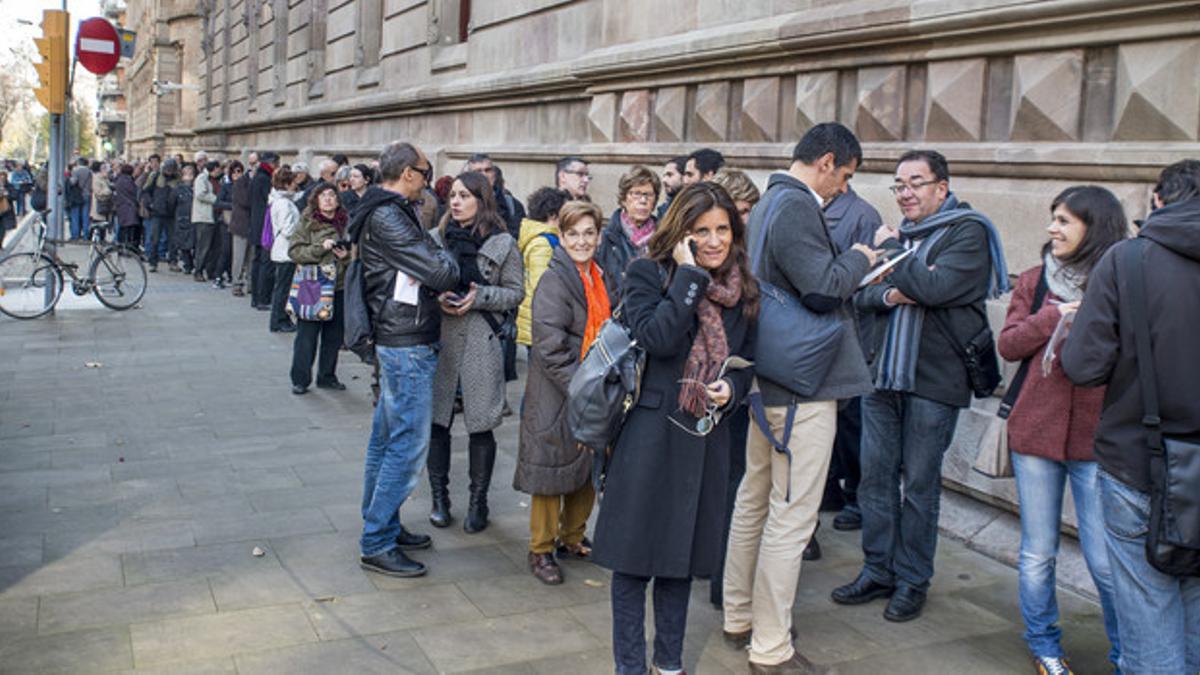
(368, 613)
(511, 639)
(86, 651)
(228, 633)
(62, 612)
(382, 654)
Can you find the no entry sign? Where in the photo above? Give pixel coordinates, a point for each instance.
(97, 45)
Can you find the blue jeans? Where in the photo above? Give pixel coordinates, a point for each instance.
(152, 228)
(904, 439)
(80, 222)
(1158, 615)
(1040, 485)
(399, 441)
(629, 622)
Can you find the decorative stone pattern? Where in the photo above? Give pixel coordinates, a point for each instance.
(760, 110)
(670, 114)
(816, 99)
(710, 117)
(954, 100)
(1158, 91)
(601, 117)
(634, 122)
(1047, 96)
(880, 112)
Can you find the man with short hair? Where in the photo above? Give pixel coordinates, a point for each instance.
(775, 513)
(702, 165)
(933, 297)
(1158, 614)
(672, 182)
(406, 321)
(572, 174)
(262, 270)
(79, 199)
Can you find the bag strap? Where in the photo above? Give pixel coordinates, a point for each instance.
(1018, 381)
(759, 412)
(758, 248)
(1135, 282)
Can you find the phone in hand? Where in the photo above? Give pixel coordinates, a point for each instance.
(342, 245)
(455, 300)
(693, 248)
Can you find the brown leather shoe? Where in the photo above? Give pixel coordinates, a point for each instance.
(741, 639)
(797, 665)
(545, 568)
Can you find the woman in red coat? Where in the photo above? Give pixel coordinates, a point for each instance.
(1052, 423)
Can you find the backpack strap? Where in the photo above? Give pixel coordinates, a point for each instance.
(759, 413)
(1018, 381)
(550, 237)
(1135, 285)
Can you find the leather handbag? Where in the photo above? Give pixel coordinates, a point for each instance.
(978, 355)
(311, 297)
(1173, 536)
(803, 344)
(606, 385)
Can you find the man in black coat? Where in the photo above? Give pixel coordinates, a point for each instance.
(1158, 609)
(261, 269)
(934, 302)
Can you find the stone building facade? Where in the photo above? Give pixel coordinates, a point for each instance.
(161, 87)
(1024, 97)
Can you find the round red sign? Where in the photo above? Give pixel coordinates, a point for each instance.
(97, 46)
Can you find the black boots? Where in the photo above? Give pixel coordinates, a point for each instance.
(481, 451)
(438, 465)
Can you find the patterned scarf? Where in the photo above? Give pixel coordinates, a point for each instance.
(711, 347)
(598, 309)
(338, 221)
(638, 234)
(1066, 284)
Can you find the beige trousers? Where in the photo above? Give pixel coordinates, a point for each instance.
(769, 532)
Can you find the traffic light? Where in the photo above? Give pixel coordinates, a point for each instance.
(52, 71)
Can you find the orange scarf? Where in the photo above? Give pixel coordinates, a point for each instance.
(598, 309)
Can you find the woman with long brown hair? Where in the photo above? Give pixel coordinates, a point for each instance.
(491, 282)
(692, 305)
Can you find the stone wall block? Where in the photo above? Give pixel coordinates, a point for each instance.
(602, 118)
(760, 110)
(670, 114)
(710, 118)
(954, 100)
(634, 121)
(1047, 96)
(816, 99)
(880, 112)
(1158, 91)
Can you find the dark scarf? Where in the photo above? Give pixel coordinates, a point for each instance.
(463, 244)
(711, 346)
(338, 221)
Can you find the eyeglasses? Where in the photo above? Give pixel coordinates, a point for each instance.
(641, 196)
(426, 172)
(901, 188)
(583, 175)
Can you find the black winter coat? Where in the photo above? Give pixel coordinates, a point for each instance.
(181, 199)
(162, 196)
(663, 511)
(1100, 347)
(260, 191)
(125, 200)
(239, 215)
(614, 252)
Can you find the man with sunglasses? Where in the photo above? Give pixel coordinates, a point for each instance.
(404, 271)
(932, 303)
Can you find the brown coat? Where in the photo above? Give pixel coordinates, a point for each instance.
(549, 461)
(1052, 418)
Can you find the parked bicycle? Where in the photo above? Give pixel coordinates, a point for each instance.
(31, 282)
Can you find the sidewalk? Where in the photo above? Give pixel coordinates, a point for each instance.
(133, 494)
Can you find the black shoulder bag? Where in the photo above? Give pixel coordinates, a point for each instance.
(1018, 381)
(1173, 539)
(978, 354)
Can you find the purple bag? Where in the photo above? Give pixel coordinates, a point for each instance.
(268, 235)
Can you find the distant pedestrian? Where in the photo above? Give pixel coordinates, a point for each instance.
(320, 240)
(359, 181)
(284, 219)
(79, 199)
(572, 174)
(241, 251)
(702, 165)
(262, 268)
(627, 235)
(539, 237)
(672, 183)
(125, 208)
(161, 188)
(204, 200)
(183, 241)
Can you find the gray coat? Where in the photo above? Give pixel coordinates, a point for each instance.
(203, 199)
(471, 351)
(801, 258)
(549, 461)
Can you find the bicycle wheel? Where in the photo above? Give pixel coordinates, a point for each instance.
(118, 278)
(30, 284)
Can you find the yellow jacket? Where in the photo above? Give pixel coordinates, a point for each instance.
(535, 251)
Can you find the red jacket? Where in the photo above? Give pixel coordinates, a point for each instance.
(1052, 418)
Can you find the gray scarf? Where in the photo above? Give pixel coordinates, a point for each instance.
(1065, 283)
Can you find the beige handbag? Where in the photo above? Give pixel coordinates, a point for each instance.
(994, 459)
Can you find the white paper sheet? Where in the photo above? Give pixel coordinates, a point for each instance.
(406, 291)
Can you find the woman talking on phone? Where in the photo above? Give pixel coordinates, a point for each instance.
(318, 241)
(691, 303)
(492, 282)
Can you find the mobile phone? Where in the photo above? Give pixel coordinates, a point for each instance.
(455, 300)
(692, 246)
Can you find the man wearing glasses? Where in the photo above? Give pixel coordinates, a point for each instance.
(404, 270)
(934, 296)
(571, 174)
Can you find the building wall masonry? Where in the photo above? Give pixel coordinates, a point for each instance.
(1024, 97)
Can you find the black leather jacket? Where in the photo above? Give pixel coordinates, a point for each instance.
(392, 240)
